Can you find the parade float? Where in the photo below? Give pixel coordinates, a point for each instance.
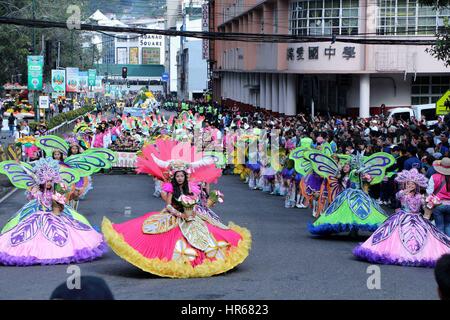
(143, 104)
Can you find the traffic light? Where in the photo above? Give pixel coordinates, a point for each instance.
(124, 72)
(128, 84)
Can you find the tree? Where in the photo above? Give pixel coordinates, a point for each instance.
(441, 50)
(16, 41)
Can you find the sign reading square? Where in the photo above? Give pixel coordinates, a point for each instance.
(151, 56)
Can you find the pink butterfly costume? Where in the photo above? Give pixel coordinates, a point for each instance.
(36, 235)
(406, 238)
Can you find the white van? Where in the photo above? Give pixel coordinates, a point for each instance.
(416, 111)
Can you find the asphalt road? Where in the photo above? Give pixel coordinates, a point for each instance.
(285, 262)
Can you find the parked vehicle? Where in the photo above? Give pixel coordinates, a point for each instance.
(417, 111)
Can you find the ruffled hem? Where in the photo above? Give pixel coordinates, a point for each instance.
(375, 257)
(328, 228)
(174, 269)
(82, 255)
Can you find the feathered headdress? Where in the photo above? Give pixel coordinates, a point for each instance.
(412, 175)
(166, 157)
(47, 170)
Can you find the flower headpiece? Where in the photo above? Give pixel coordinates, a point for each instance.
(71, 140)
(47, 170)
(412, 175)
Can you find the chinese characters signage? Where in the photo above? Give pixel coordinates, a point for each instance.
(205, 27)
(315, 53)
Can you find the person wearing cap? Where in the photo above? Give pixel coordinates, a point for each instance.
(439, 189)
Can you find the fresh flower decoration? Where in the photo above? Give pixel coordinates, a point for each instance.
(188, 201)
(367, 177)
(214, 197)
(432, 201)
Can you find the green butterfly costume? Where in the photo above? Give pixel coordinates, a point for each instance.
(353, 209)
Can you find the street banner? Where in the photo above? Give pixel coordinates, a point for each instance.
(72, 79)
(82, 81)
(59, 83)
(205, 28)
(443, 104)
(44, 102)
(137, 112)
(92, 74)
(98, 84)
(35, 72)
(125, 160)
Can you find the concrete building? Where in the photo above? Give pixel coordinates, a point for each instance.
(340, 77)
(143, 55)
(187, 68)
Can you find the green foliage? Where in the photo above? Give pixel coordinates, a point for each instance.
(63, 117)
(16, 41)
(441, 50)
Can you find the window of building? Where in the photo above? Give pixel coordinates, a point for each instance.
(408, 17)
(324, 17)
(428, 89)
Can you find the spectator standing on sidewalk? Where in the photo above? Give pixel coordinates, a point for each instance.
(11, 124)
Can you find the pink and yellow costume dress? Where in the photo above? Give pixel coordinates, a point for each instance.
(165, 244)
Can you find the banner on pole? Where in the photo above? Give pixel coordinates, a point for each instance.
(83, 81)
(72, 79)
(44, 102)
(35, 72)
(92, 74)
(59, 83)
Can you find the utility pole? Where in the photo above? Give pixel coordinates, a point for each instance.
(59, 52)
(71, 46)
(36, 107)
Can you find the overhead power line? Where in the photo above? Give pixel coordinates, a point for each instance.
(227, 36)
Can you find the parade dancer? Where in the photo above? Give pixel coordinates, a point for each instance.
(71, 156)
(179, 241)
(353, 209)
(406, 238)
(46, 230)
